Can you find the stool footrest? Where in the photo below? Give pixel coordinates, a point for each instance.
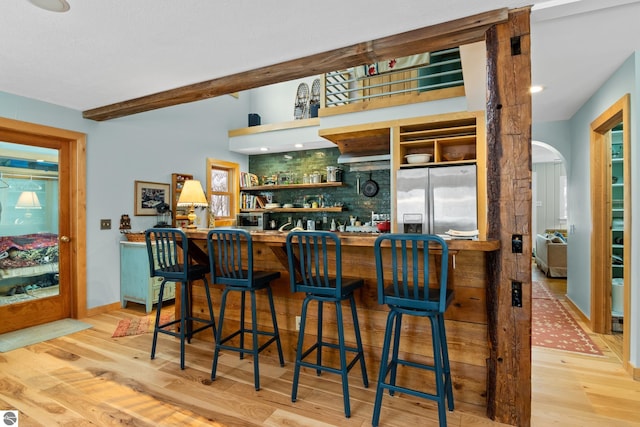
(412, 392)
(207, 324)
(247, 350)
(318, 347)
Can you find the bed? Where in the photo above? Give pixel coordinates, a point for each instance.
(28, 259)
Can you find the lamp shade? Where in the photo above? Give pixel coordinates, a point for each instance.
(28, 200)
(192, 194)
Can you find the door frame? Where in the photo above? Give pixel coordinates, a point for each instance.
(601, 240)
(75, 146)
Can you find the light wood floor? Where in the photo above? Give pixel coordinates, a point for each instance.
(89, 378)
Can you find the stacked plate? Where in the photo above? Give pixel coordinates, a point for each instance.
(464, 235)
(272, 205)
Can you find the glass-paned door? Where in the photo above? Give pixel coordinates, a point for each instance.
(29, 199)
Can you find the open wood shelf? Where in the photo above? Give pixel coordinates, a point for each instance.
(330, 209)
(291, 186)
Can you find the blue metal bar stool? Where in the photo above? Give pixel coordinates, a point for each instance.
(168, 261)
(309, 270)
(231, 259)
(405, 289)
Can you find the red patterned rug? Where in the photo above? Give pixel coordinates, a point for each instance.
(138, 325)
(554, 327)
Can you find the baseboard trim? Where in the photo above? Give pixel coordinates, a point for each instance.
(577, 310)
(633, 371)
(103, 309)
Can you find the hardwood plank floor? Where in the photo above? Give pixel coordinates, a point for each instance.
(89, 378)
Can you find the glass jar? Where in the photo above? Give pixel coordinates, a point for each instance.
(316, 177)
(305, 179)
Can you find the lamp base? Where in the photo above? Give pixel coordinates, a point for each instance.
(192, 219)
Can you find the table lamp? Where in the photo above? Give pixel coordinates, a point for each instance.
(191, 196)
(28, 200)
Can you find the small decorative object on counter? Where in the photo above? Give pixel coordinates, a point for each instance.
(333, 225)
(384, 226)
(125, 222)
(334, 174)
(163, 215)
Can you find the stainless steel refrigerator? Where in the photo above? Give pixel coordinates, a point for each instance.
(436, 199)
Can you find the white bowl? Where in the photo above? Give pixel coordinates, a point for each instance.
(287, 205)
(418, 158)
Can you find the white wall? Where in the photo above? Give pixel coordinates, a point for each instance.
(275, 103)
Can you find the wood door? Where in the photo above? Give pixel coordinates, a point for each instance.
(601, 211)
(66, 220)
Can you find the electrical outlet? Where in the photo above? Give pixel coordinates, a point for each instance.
(297, 323)
(516, 243)
(516, 294)
(105, 224)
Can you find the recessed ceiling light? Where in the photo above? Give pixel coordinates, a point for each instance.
(52, 5)
(536, 89)
(298, 145)
(552, 3)
(264, 149)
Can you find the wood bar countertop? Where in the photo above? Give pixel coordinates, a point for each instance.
(358, 239)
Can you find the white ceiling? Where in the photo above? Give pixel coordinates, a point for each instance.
(103, 52)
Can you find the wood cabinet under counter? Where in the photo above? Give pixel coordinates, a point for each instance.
(466, 319)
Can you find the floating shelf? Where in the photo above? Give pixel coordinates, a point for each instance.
(330, 209)
(291, 186)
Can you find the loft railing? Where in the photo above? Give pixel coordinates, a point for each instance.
(434, 71)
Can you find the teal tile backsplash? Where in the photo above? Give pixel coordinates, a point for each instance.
(295, 164)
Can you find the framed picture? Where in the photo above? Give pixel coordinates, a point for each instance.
(148, 195)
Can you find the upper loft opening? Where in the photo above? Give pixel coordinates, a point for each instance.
(415, 78)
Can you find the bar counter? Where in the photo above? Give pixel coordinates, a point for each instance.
(466, 318)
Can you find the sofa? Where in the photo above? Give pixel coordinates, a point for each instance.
(551, 254)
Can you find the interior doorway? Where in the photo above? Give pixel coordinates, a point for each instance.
(610, 199)
(549, 216)
(69, 227)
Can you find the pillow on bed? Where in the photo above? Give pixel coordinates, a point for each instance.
(560, 236)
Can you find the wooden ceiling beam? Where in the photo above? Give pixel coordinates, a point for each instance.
(428, 39)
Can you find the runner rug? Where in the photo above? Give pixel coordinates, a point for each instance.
(138, 325)
(35, 334)
(554, 327)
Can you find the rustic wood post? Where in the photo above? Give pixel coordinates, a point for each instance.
(509, 217)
